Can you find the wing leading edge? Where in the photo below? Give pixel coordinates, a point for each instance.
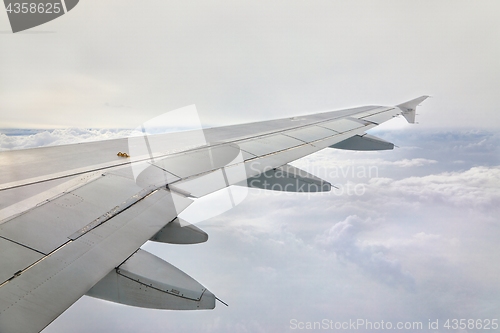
(70, 222)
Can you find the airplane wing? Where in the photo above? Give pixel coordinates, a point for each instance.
(73, 217)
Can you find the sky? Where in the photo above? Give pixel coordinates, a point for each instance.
(116, 63)
(411, 235)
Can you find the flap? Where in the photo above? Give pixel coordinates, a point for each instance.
(15, 258)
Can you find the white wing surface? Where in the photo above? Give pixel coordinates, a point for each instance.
(73, 217)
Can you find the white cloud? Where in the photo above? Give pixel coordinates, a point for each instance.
(342, 238)
(414, 162)
(58, 137)
(476, 187)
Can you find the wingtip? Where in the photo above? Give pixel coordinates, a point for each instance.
(408, 108)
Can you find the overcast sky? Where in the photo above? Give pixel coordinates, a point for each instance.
(116, 63)
(419, 243)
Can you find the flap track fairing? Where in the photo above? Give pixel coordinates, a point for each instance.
(363, 142)
(180, 232)
(288, 178)
(147, 281)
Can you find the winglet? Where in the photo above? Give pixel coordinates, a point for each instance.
(408, 109)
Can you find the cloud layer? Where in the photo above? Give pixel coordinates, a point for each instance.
(419, 242)
(54, 137)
